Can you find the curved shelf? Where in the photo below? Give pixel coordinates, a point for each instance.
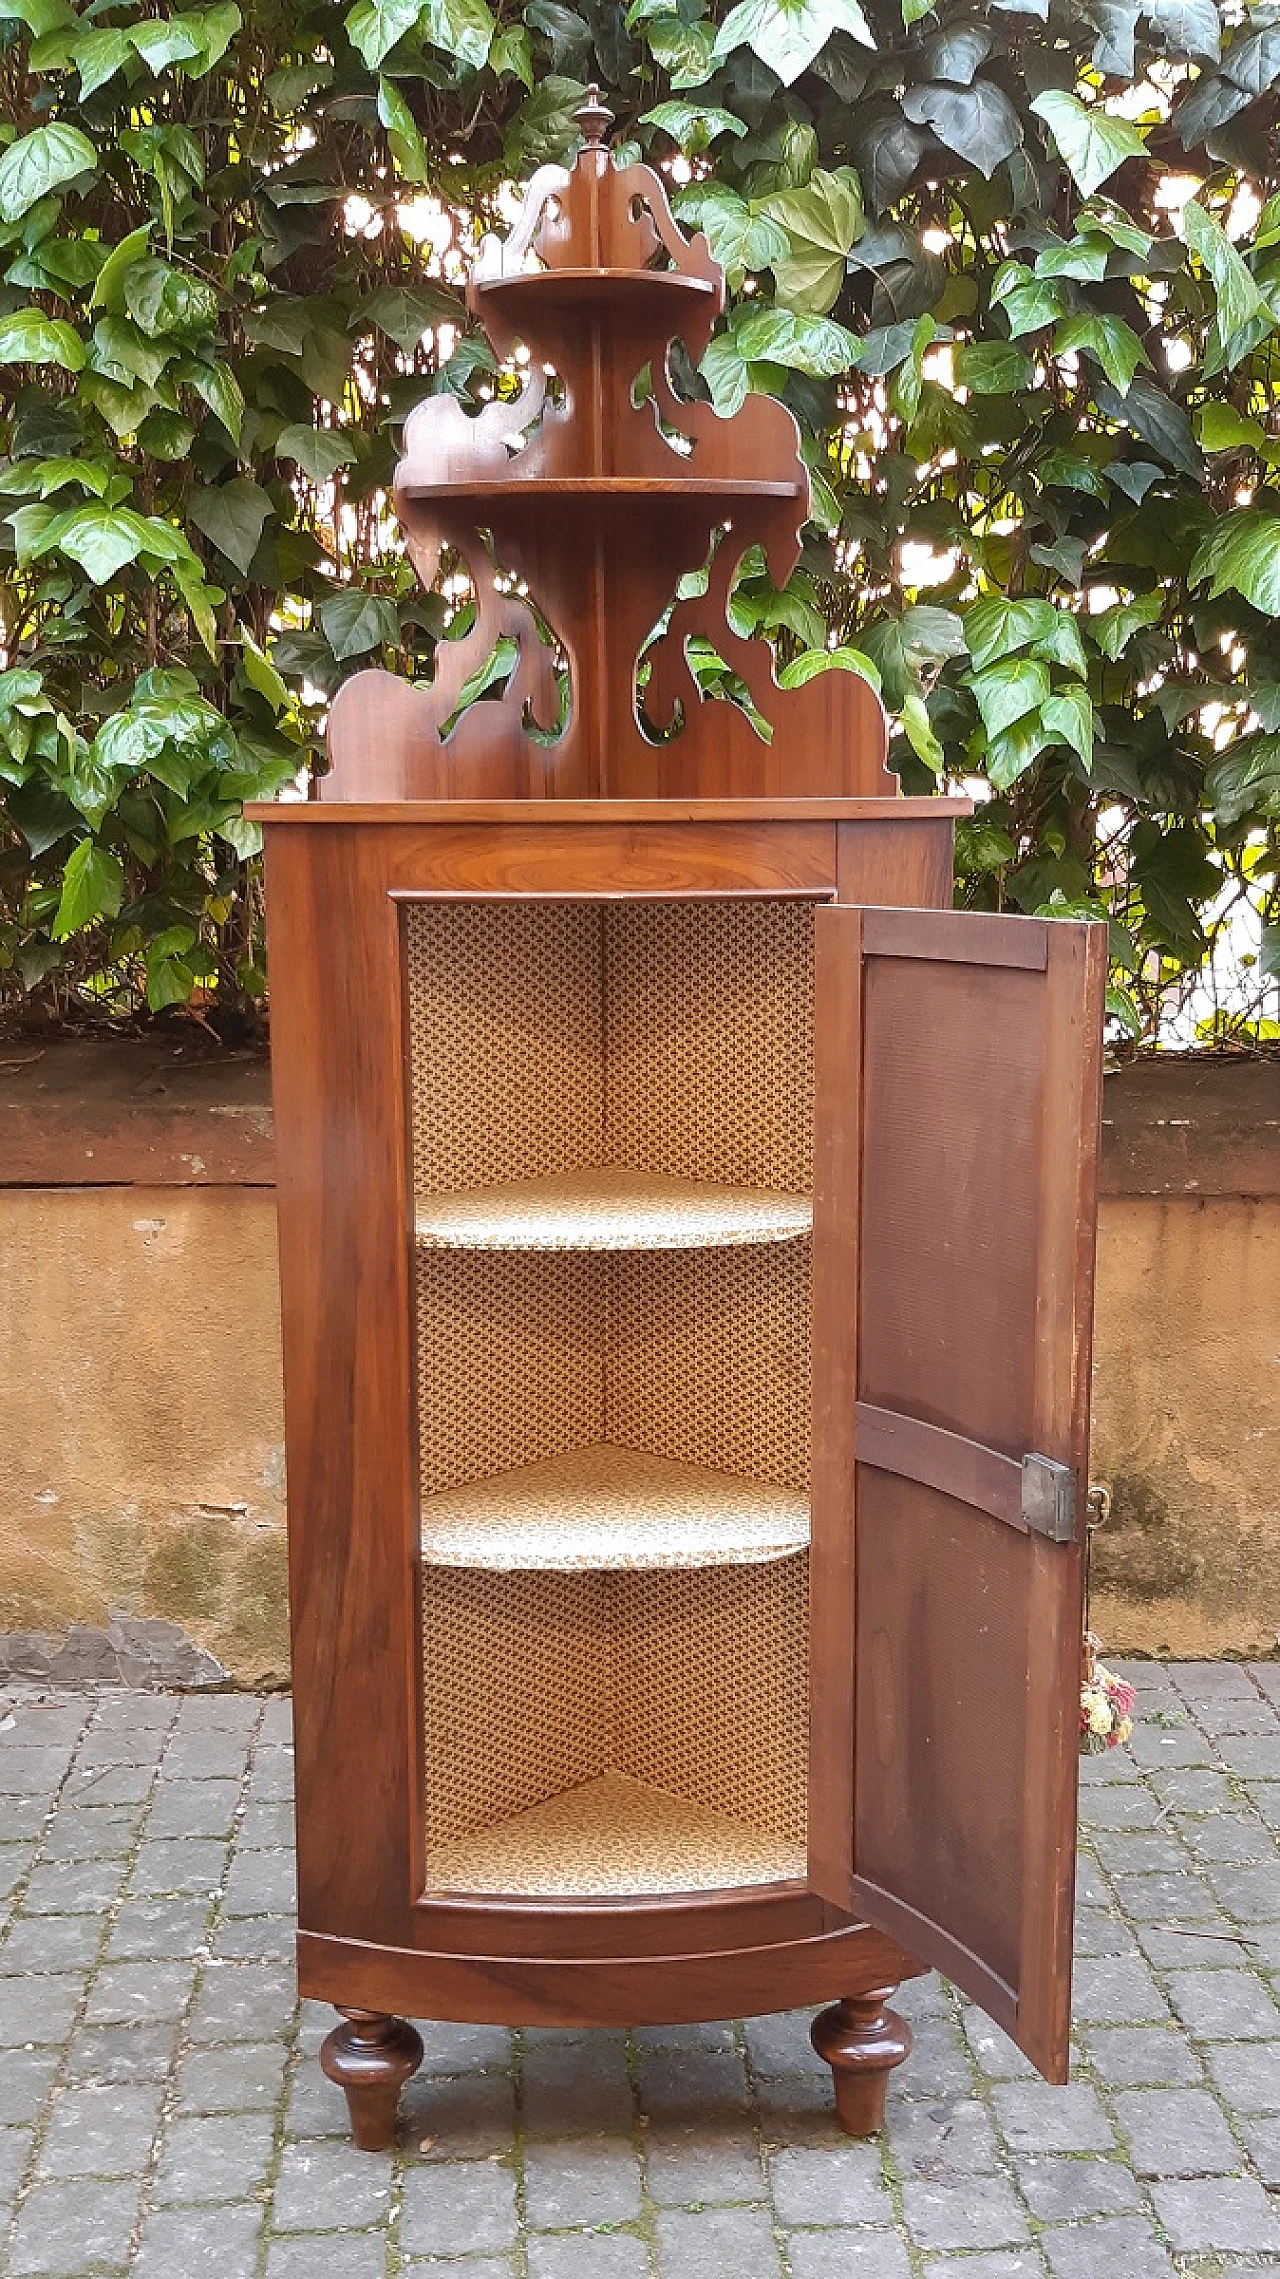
(612, 1508)
(608, 1210)
(641, 291)
(607, 488)
(614, 1835)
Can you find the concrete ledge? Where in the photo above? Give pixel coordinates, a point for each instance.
(1192, 1125)
(134, 1112)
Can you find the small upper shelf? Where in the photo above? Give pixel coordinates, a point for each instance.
(612, 1508)
(646, 294)
(613, 1209)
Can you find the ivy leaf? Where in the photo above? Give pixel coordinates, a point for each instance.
(99, 54)
(405, 312)
(407, 146)
(693, 126)
(1187, 27)
(100, 538)
(1111, 343)
(1158, 420)
(92, 887)
(741, 236)
(725, 372)
(1084, 259)
(789, 34)
(685, 51)
(375, 26)
(1132, 476)
(1243, 554)
(233, 515)
(1012, 752)
(822, 222)
(355, 622)
(814, 345)
(811, 662)
(979, 122)
(511, 56)
(319, 451)
(997, 626)
(42, 162)
(1069, 713)
(1114, 628)
(161, 43)
(1006, 691)
(1220, 427)
(28, 336)
(1090, 143)
(1239, 300)
(920, 732)
(1245, 780)
(220, 390)
(464, 28)
(992, 368)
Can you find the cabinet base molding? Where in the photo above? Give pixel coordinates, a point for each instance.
(371, 2056)
(861, 2040)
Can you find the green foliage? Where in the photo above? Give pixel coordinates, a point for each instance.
(1042, 415)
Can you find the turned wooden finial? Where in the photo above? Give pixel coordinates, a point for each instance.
(595, 118)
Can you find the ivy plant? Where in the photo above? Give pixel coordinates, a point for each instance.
(1015, 268)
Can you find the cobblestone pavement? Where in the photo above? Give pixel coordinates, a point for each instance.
(162, 2113)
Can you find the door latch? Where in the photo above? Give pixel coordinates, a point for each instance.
(1049, 1498)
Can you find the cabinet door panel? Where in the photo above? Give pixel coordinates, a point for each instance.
(966, 1052)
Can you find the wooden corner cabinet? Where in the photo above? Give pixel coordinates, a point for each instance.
(686, 1230)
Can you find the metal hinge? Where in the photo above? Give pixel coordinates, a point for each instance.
(1049, 1498)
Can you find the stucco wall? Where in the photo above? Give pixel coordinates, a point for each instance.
(141, 1496)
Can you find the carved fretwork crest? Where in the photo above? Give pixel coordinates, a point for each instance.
(602, 517)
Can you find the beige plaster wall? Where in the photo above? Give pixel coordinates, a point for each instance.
(140, 1415)
(1187, 1424)
(140, 1419)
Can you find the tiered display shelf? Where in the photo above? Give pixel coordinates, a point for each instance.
(614, 1209)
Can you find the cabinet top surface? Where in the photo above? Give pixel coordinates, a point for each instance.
(533, 811)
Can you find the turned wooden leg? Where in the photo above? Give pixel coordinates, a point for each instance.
(862, 2040)
(371, 2056)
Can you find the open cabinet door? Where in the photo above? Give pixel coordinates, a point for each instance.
(958, 1082)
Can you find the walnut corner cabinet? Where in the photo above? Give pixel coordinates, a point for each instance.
(686, 1236)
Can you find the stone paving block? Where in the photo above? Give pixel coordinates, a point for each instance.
(1262, 2142)
(715, 2160)
(1228, 2213)
(705, 2034)
(50, 1943)
(1194, 1789)
(261, 1883)
(1154, 1748)
(677, 2085)
(1176, 2132)
(317, 2107)
(26, 2077)
(1138, 2057)
(980, 2212)
(1120, 2247)
(1253, 1756)
(123, 1708)
(246, 2077)
(32, 1772)
(1246, 2075)
(106, 1833)
(1037, 2117)
(265, 1827)
(941, 2136)
(781, 2044)
(202, 2243)
(577, 2088)
(1117, 1807)
(194, 1808)
(101, 2130)
(126, 1744)
(938, 2065)
(1224, 2005)
(72, 2227)
(1200, 1946)
(341, 2255)
(255, 1938)
(577, 2256)
(206, 1756)
(470, 2117)
(220, 2158)
(170, 1930)
(459, 2207)
(1139, 1851)
(125, 1993)
(178, 1865)
(88, 1887)
(467, 2049)
(839, 2186)
(849, 2255)
(242, 2002)
(1006, 2263)
(101, 1785)
(38, 2009)
(1264, 1798)
(219, 1712)
(122, 2053)
(1115, 1991)
(15, 2152)
(21, 1820)
(1182, 1898)
(276, 1729)
(1219, 1719)
(327, 2185)
(1101, 1931)
(1059, 2189)
(585, 2180)
(1249, 1894)
(999, 2058)
(717, 2243)
(271, 1779)
(1233, 1839)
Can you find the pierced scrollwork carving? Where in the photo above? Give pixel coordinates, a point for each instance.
(594, 497)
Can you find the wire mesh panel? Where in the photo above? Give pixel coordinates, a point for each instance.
(637, 1727)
